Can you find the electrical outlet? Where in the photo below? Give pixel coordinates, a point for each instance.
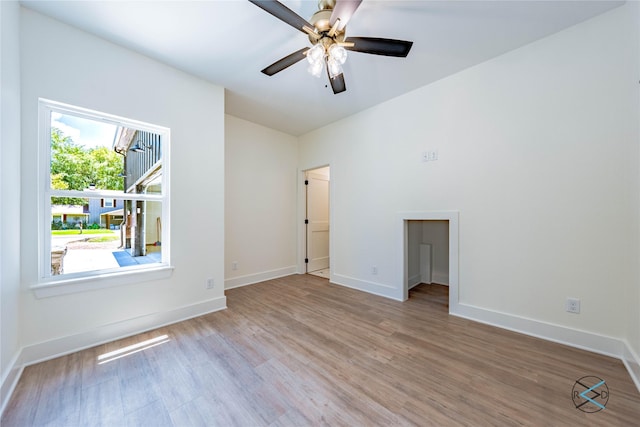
(209, 284)
(234, 265)
(573, 305)
(374, 270)
(430, 156)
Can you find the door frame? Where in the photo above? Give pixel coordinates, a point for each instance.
(302, 204)
(452, 217)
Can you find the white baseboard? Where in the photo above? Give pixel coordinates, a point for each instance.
(251, 279)
(365, 286)
(9, 382)
(414, 281)
(632, 363)
(548, 331)
(440, 278)
(60, 346)
(583, 340)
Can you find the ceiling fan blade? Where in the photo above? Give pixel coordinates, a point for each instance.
(343, 11)
(337, 84)
(286, 62)
(283, 13)
(378, 46)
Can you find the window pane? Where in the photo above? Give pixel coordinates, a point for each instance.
(91, 236)
(154, 188)
(82, 155)
(93, 155)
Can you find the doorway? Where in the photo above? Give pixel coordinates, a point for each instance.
(430, 251)
(317, 234)
(427, 252)
(428, 256)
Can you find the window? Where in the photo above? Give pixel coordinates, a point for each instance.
(104, 195)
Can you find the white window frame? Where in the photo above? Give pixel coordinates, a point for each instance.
(50, 285)
(108, 203)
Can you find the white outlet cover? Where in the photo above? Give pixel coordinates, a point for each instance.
(573, 305)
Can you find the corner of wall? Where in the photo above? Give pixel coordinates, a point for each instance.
(10, 381)
(250, 279)
(632, 363)
(10, 137)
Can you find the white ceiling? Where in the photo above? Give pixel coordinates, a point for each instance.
(228, 42)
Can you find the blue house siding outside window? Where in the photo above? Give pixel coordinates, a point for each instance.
(99, 207)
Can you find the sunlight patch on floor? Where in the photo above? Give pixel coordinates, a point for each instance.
(131, 349)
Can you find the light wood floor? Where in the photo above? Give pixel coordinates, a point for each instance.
(298, 351)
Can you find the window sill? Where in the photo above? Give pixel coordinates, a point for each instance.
(52, 288)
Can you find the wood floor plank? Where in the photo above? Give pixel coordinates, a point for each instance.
(94, 373)
(59, 401)
(229, 403)
(102, 405)
(155, 414)
(21, 409)
(137, 383)
(298, 351)
(173, 376)
(201, 412)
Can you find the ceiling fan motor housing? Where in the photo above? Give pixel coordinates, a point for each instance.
(326, 4)
(321, 20)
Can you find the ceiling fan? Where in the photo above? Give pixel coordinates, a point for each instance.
(326, 32)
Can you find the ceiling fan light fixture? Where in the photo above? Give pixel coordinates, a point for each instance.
(338, 53)
(334, 67)
(315, 54)
(315, 69)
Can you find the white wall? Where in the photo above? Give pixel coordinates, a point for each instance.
(633, 296)
(9, 194)
(64, 64)
(436, 233)
(414, 239)
(538, 151)
(260, 202)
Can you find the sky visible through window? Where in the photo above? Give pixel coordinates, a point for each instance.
(89, 133)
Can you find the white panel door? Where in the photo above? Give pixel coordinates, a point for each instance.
(318, 221)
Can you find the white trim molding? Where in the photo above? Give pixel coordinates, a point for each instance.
(440, 278)
(10, 381)
(250, 279)
(632, 363)
(65, 345)
(91, 283)
(374, 288)
(414, 281)
(584, 340)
